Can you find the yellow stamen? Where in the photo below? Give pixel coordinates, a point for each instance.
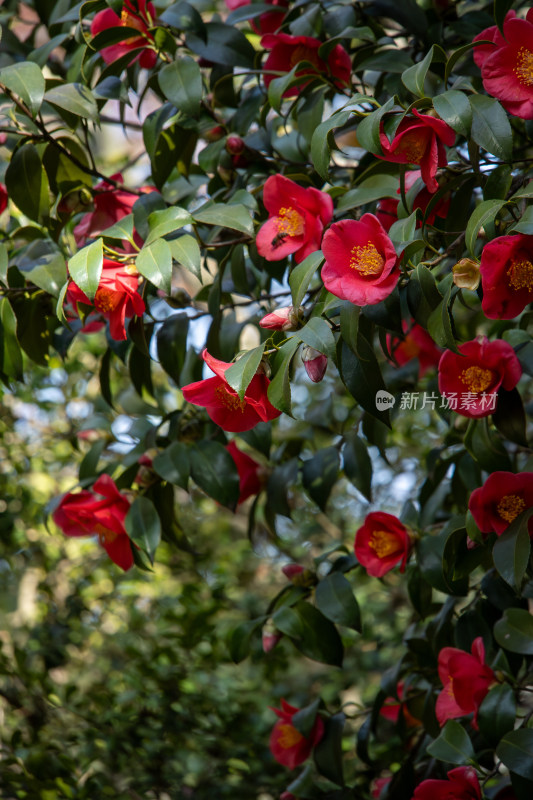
(105, 536)
(383, 543)
(289, 736)
(290, 222)
(476, 378)
(412, 146)
(524, 66)
(510, 506)
(129, 20)
(302, 53)
(521, 275)
(106, 300)
(231, 401)
(366, 260)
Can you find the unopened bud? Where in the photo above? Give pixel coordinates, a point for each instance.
(214, 134)
(315, 363)
(283, 319)
(287, 796)
(466, 274)
(298, 575)
(235, 145)
(270, 636)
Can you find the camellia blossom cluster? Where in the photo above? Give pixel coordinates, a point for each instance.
(287, 51)
(101, 513)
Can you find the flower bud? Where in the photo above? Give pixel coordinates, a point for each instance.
(298, 575)
(235, 145)
(214, 134)
(287, 796)
(315, 363)
(270, 636)
(466, 274)
(283, 319)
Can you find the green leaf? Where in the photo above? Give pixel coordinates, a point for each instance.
(368, 129)
(186, 251)
(301, 276)
(501, 7)
(334, 597)
(85, 268)
(453, 745)
(484, 213)
(27, 81)
(239, 639)
(515, 750)
(278, 86)
(453, 107)
(437, 557)
(27, 183)
(304, 719)
(236, 217)
(163, 222)
(314, 635)
(143, 526)
(361, 374)
(368, 191)
(4, 263)
(497, 713)
(181, 83)
(440, 325)
(514, 631)
(328, 754)
(240, 374)
(525, 223)
(214, 470)
(223, 44)
(172, 464)
(10, 353)
(74, 98)
(319, 475)
(49, 273)
(317, 333)
(357, 464)
(414, 77)
(490, 127)
(524, 192)
(155, 262)
(279, 389)
(320, 141)
(123, 229)
(172, 345)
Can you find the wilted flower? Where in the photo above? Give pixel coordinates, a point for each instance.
(466, 274)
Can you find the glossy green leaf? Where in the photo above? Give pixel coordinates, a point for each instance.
(143, 526)
(362, 377)
(49, 272)
(240, 637)
(320, 144)
(27, 81)
(497, 712)
(317, 333)
(75, 98)
(163, 222)
(453, 745)
(514, 631)
(214, 470)
(319, 475)
(515, 750)
(485, 212)
(11, 355)
(244, 369)
(314, 635)
(301, 276)
(155, 262)
(414, 77)
(181, 83)
(279, 389)
(334, 597)
(186, 251)
(368, 191)
(222, 44)
(328, 754)
(453, 107)
(368, 129)
(85, 267)
(490, 126)
(172, 464)
(27, 183)
(357, 463)
(236, 217)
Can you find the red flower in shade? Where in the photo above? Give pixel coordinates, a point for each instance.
(381, 543)
(288, 746)
(3, 197)
(287, 51)
(224, 405)
(110, 205)
(475, 375)
(116, 297)
(378, 785)
(419, 141)
(296, 220)
(507, 64)
(361, 263)
(387, 208)
(507, 275)
(462, 784)
(417, 343)
(268, 22)
(136, 14)
(84, 514)
(393, 706)
(500, 500)
(466, 680)
(249, 472)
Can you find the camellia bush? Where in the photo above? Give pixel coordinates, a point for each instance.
(282, 257)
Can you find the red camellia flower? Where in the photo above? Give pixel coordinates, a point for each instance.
(287, 51)
(471, 379)
(224, 405)
(85, 514)
(417, 343)
(136, 14)
(507, 275)
(296, 222)
(110, 205)
(462, 784)
(381, 543)
(361, 263)
(466, 680)
(419, 141)
(507, 64)
(249, 472)
(500, 500)
(3, 198)
(288, 746)
(270, 21)
(116, 297)
(392, 707)
(387, 208)
(378, 786)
